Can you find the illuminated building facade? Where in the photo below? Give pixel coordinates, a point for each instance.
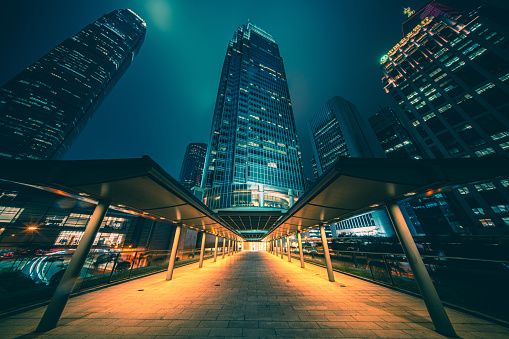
(448, 77)
(59, 221)
(338, 130)
(393, 137)
(46, 106)
(192, 166)
(374, 223)
(253, 159)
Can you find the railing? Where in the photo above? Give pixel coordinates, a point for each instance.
(27, 280)
(474, 284)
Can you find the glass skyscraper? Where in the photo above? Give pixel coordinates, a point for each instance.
(338, 130)
(449, 78)
(192, 166)
(253, 159)
(393, 137)
(46, 106)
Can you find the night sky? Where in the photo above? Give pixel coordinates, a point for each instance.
(166, 98)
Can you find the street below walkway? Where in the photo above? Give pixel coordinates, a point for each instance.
(249, 294)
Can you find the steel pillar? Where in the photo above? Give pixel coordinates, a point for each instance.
(288, 249)
(202, 250)
(428, 292)
(57, 304)
(281, 245)
(215, 249)
(326, 254)
(171, 265)
(301, 253)
(224, 245)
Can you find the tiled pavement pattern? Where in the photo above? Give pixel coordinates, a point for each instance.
(250, 294)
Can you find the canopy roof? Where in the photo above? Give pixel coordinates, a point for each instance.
(352, 186)
(139, 185)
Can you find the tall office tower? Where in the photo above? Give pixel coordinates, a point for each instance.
(393, 137)
(314, 167)
(253, 157)
(432, 215)
(448, 76)
(338, 130)
(192, 166)
(46, 106)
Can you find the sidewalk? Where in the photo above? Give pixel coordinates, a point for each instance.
(250, 294)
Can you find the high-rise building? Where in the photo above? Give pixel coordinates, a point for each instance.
(338, 130)
(448, 77)
(393, 137)
(192, 166)
(432, 215)
(314, 167)
(46, 106)
(253, 158)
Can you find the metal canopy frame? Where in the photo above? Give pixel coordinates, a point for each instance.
(139, 185)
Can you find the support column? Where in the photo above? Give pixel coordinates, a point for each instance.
(215, 249)
(224, 245)
(301, 253)
(429, 294)
(202, 251)
(57, 304)
(229, 246)
(326, 254)
(288, 249)
(281, 245)
(171, 265)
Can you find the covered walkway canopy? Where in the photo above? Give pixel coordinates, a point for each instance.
(354, 185)
(351, 186)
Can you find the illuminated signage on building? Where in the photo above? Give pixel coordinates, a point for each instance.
(408, 11)
(409, 36)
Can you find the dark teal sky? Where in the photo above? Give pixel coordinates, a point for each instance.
(166, 99)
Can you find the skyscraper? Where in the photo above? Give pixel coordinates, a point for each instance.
(448, 77)
(253, 158)
(192, 166)
(46, 106)
(338, 130)
(393, 137)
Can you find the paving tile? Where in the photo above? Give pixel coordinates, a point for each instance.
(243, 324)
(214, 324)
(258, 332)
(193, 332)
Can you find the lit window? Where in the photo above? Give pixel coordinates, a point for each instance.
(487, 222)
(485, 151)
(478, 210)
(9, 214)
(500, 208)
(463, 190)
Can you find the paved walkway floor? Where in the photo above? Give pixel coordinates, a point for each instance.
(250, 294)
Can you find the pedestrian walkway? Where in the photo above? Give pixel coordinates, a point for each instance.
(250, 294)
